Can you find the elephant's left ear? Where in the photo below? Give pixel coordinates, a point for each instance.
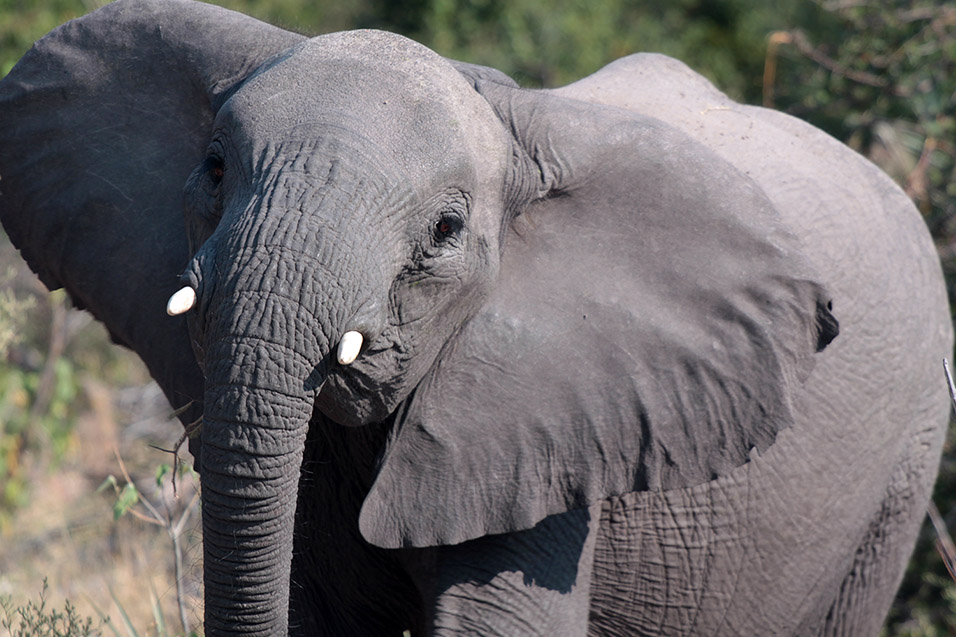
(652, 322)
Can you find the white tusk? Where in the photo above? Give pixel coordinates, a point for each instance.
(182, 301)
(349, 347)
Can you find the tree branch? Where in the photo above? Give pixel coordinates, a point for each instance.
(803, 45)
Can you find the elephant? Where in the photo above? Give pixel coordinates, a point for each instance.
(623, 357)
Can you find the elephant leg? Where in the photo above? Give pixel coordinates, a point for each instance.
(340, 584)
(534, 582)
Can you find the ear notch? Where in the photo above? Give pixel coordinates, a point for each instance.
(650, 326)
(103, 119)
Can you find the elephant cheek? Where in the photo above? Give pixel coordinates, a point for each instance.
(342, 400)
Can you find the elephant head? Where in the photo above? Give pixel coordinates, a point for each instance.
(550, 301)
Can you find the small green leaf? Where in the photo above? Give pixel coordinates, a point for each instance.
(161, 472)
(127, 499)
(109, 482)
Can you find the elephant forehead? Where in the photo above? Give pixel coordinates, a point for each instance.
(385, 88)
(395, 52)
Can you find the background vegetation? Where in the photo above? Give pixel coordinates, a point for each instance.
(877, 74)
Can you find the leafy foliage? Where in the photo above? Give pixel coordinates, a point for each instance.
(882, 77)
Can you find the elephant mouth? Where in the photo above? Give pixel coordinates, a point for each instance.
(367, 390)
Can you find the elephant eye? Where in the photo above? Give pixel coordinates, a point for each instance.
(447, 226)
(214, 168)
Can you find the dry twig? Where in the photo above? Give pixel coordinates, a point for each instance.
(916, 182)
(174, 529)
(190, 431)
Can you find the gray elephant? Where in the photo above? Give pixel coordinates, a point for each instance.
(474, 359)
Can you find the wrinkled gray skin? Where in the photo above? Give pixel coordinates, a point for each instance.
(597, 392)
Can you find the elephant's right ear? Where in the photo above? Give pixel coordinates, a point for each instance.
(103, 120)
(651, 326)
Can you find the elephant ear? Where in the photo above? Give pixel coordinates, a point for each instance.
(651, 324)
(103, 120)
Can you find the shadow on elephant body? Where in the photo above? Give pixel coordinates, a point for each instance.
(340, 584)
(339, 579)
(547, 555)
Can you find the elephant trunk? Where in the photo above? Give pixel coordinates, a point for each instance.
(272, 318)
(254, 431)
(266, 356)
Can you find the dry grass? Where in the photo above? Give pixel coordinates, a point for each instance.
(68, 535)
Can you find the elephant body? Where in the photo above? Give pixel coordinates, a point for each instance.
(659, 563)
(633, 359)
(877, 259)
